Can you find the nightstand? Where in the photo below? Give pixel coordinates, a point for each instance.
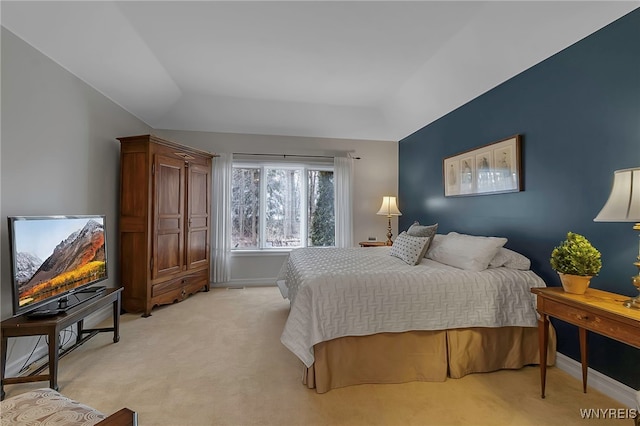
(372, 244)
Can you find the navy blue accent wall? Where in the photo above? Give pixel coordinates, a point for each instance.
(579, 116)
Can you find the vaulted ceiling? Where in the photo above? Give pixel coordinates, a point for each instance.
(342, 69)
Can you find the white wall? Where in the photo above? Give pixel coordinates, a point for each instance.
(58, 155)
(375, 175)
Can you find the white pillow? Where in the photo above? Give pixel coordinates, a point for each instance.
(435, 242)
(469, 252)
(408, 248)
(510, 259)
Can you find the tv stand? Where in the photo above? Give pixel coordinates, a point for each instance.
(51, 326)
(43, 313)
(65, 303)
(94, 289)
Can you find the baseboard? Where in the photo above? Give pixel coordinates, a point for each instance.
(41, 352)
(243, 282)
(600, 382)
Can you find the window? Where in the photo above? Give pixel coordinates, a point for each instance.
(282, 205)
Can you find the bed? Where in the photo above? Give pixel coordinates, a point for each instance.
(366, 315)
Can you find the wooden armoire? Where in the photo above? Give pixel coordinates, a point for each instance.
(165, 191)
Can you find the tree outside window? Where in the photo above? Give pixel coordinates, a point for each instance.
(245, 212)
(321, 209)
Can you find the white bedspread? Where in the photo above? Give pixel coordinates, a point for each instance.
(337, 292)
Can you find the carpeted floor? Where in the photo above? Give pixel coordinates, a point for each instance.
(216, 359)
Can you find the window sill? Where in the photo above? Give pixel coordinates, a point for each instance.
(266, 252)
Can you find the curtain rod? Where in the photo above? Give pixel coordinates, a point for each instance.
(295, 155)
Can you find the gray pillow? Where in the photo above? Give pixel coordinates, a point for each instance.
(417, 230)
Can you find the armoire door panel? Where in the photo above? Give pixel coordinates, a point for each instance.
(169, 224)
(198, 247)
(198, 222)
(168, 257)
(169, 239)
(170, 174)
(199, 189)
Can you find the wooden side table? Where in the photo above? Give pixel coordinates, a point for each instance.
(372, 243)
(597, 311)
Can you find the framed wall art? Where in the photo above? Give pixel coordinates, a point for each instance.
(490, 169)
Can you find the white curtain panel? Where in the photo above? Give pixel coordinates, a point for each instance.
(343, 181)
(221, 218)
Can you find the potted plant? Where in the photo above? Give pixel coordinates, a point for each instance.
(576, 262)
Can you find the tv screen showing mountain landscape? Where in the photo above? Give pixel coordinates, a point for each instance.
(53, 256)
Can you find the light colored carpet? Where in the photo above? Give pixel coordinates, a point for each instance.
(216, 359)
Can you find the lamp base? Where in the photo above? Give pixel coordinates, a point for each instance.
(632, 303)
(389, 234)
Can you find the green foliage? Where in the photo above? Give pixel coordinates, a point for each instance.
(576, 256)
(323, 220)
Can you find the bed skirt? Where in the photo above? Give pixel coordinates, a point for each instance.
(428, 356)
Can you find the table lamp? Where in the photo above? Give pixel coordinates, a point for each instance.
(389, 208)
(623, 205)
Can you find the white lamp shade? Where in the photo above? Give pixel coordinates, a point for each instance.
(623, 204)
(389, 207)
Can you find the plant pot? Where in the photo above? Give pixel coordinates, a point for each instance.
(575, 284)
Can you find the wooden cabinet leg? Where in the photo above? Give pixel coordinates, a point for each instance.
(54, 343)
(80, 327)
(543, 341)
(116, 319)
(3, 366)
(584, 357)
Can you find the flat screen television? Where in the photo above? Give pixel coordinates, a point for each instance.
(54, 258)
